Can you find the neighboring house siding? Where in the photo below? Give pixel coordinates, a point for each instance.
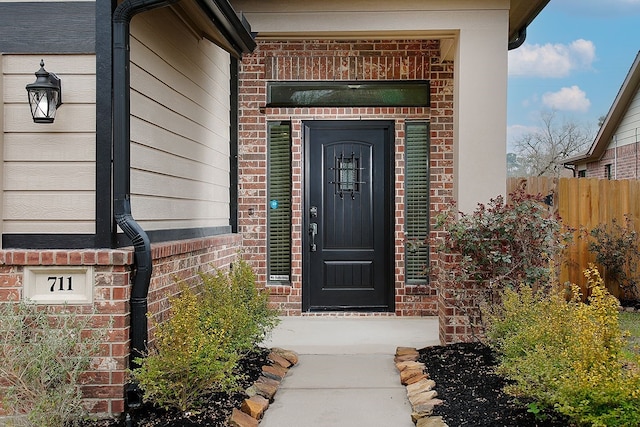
(34, 199)
(179, 125)
(623, 152)
(627, 132)
(624, 163)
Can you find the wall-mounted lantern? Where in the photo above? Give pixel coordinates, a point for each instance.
(45, 96)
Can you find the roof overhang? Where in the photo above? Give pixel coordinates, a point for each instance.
(522, 13)
(616, 113)
(217, 21)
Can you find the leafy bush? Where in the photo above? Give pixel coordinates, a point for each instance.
(568, 355)
(500, 245)
(617, 249)
(210, 327)
(232, 299)
(43, 355)
(188, 359)
(505, 244)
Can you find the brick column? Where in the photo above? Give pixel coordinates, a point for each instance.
(458, 309)
(103, 382)
(173, 262)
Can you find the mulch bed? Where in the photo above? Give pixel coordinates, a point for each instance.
(472, 392)
(214, 413)
(463, 372)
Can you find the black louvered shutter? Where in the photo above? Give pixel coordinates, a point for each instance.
(279, 205)
(417, 201)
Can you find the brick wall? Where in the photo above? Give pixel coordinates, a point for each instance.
(625, 163)
(103, 387)
(339, 60)
(458, 304)
(112, 269)
(182, 261)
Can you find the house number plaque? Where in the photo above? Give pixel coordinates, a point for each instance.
(59, 285)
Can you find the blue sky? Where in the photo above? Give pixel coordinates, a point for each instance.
(574, 60)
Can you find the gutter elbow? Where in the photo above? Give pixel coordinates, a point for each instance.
(519, 39)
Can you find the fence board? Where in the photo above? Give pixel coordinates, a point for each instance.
(583, 204)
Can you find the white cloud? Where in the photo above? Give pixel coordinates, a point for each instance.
(533, 100)
(567, 99)
(515, 132)
(551, 60)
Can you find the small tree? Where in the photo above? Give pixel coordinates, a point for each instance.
(541, 152)
(514, 168)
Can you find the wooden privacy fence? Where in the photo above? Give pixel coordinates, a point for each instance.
(584, 203)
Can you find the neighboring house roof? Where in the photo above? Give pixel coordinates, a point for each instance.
(620, 105)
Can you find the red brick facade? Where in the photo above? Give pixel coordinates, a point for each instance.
(623, 161)
(182, 260)
(172, 261)
(112, 269)
(458, 310)
(339, 60)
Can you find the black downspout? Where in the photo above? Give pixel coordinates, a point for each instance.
(572, 169)
(233, 146)
(121, 177)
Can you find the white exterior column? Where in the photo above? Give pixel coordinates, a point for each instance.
(480, 110)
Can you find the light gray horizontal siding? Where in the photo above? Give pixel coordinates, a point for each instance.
(629, 128)
(179, 126)
(48, 170)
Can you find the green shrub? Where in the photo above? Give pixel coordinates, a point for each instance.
(617, 249)
(210, 327)
(43, 354)
(188, 359)
(233, 302)
(501, 245)
(568, 355)
(505, 244)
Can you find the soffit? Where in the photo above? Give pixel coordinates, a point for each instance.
(200, 24)
(522, 13)
(229, 32)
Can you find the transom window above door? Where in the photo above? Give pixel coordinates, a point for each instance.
(356, 93)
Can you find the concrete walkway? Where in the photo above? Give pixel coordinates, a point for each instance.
(345, 376)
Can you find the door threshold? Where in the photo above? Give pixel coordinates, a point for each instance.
(327, 313)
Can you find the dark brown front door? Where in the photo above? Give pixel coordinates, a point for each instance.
(347, 252)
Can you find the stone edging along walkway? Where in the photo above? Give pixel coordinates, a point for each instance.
(420, 388)
(263, 389)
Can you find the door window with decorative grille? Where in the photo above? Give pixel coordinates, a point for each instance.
(279, 202)
(416, 202)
